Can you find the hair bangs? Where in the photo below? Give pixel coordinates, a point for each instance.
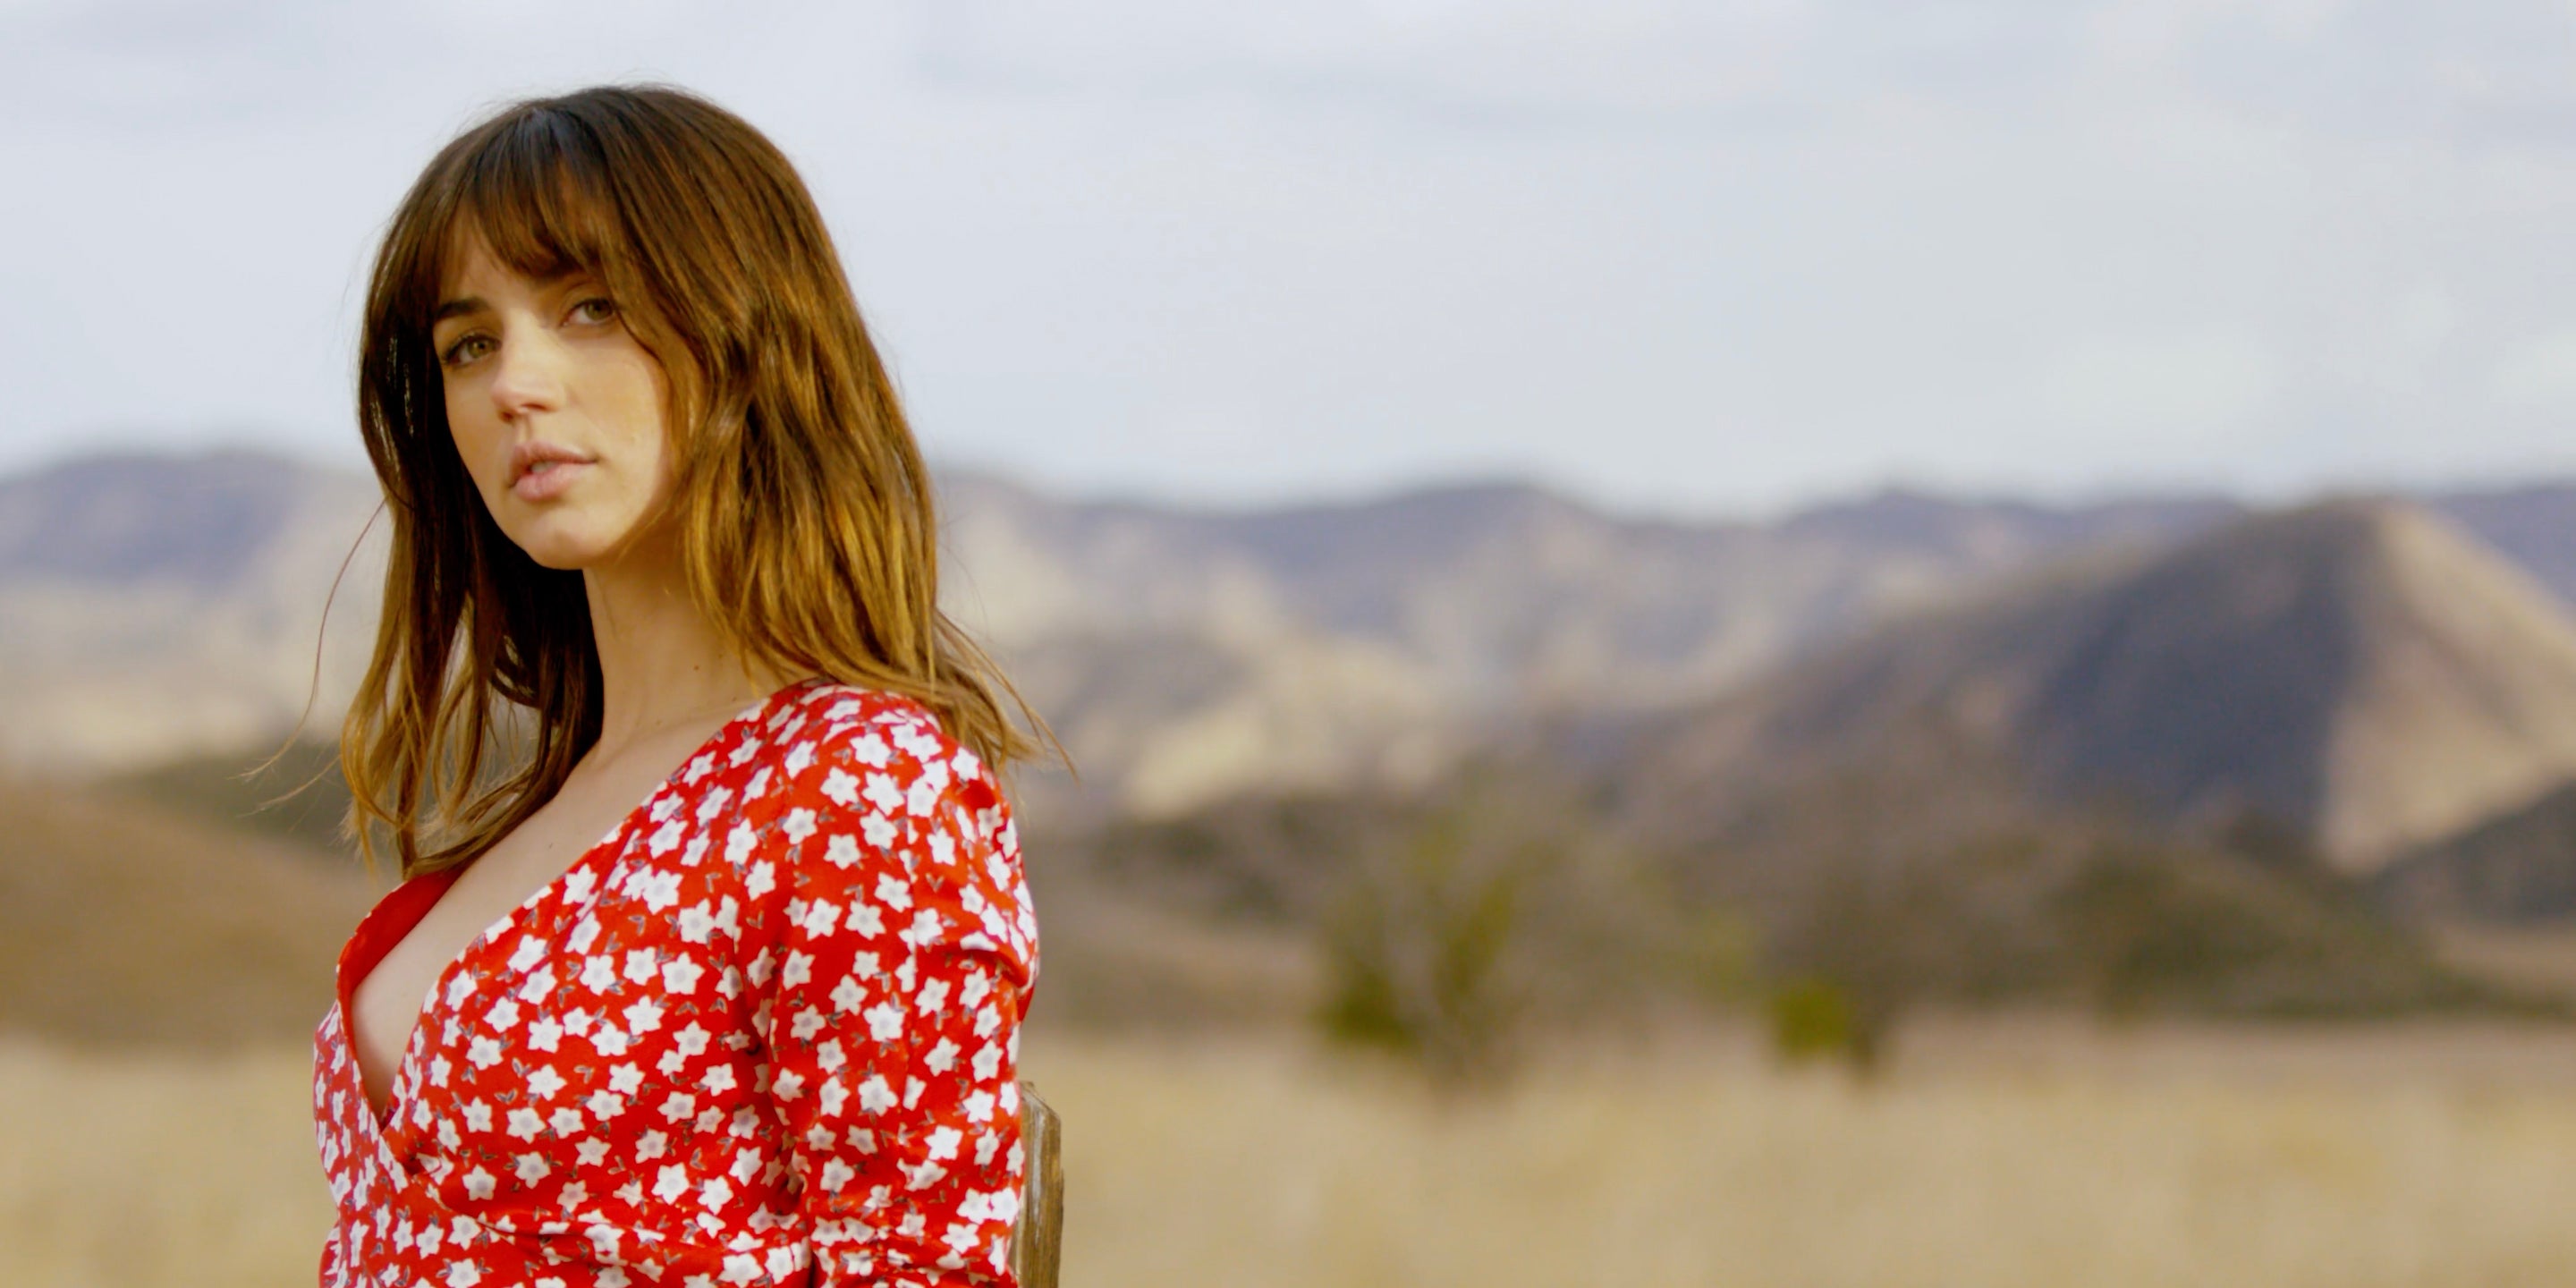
(537, 194)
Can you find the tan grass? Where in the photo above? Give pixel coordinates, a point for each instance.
(1252, 1167)
(1995, 1156)
(169, 1170)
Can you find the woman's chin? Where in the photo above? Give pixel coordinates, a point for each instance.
(580, 536)
(566, 549)
(560, 561)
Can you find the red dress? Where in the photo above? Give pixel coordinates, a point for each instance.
(769, 1023)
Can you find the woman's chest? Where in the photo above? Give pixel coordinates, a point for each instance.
(590, 813)
(548, 1075)
(611, 1020)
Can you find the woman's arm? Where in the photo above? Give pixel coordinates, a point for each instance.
(894, 1004)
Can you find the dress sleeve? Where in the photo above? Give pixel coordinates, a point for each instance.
(330, 1269)
(894, 999)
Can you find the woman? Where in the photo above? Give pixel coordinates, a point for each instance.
(659, 524)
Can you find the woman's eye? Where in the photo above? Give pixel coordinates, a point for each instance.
(465, 349)
(598, 308)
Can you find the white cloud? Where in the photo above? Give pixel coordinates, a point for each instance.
(1683, 254)
(2192, 384)
(1628, 55)
(2539, 373)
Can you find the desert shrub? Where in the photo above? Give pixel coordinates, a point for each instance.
(299, 797)
(1862, 952)
(2178, 927)
(1812, 1019)
(1498, 907)
(1418, 952)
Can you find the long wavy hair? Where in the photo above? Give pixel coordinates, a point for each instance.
(804, 510)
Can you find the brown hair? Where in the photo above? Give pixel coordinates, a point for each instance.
(804, 509)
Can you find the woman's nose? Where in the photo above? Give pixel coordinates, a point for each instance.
(527, 374)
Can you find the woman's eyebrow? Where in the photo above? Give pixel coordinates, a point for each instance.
(456, 308)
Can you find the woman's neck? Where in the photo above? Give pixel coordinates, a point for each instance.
(661, 661)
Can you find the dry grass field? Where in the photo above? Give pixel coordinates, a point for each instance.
(1998, 1153)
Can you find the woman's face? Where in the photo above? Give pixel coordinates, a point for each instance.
(555, 407)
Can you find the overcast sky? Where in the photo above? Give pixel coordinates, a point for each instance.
(1695, 258)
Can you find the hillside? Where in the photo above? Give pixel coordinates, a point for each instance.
(160, 608)
(2533, 525)
(2517, 867)
(1189, 655)
(2361, 671)
(121, 926)
(1503, 594)
(156, 607)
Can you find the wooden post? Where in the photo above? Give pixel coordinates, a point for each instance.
(1037, 1238)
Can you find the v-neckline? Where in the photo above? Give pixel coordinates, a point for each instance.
(384, 1118)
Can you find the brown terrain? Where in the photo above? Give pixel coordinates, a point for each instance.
(2052, 801)
(122, 925)
(2151, 703)
(2362, 671)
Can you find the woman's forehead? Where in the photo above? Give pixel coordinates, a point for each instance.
(538, 229)
(467, 253)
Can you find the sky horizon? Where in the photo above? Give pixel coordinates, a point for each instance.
(1609, 506)
(1717, 259)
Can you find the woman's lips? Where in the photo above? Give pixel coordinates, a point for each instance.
(546, 480)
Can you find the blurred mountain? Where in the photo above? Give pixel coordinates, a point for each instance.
(1919, 869)
(2364, 672)
(1508, 594)
(122, 925)
(159, 609)
(1185, 655)
(154, 608)
(159, 606)
(2534, 526)
(2520, 866)
(1996, 536)
(1922, 746)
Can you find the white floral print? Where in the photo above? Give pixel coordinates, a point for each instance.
(766, 1028)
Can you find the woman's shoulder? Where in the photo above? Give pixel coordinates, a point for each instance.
(819, 709)
(846, 758)
(825, 728)
(865, 787)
